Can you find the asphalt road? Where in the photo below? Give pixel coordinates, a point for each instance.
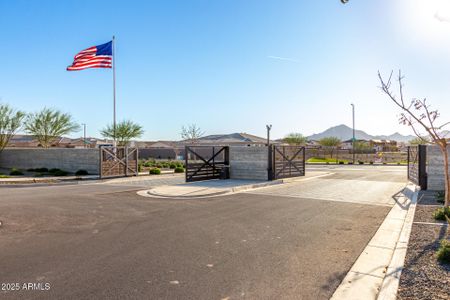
(103, 241)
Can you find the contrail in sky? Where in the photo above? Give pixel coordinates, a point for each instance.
(283, 58)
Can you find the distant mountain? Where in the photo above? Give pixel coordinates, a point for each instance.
(344, 132)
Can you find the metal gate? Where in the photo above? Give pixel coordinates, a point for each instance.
(207, 162)
(286, 161)
(118, 162)
(417, 157)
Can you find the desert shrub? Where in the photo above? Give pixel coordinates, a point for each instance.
(443, 253)
(440, 213)
(81, 172)
(41, 170)
(179, 170)
(15, 172)
(155, 171)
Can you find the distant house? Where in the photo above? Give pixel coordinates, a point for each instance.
(28, 141)
(384, 145)
(23, 141)
(376, 145)
(232, 139)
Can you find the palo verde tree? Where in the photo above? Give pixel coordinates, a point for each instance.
(330, 143)
(418, 115)
(49, 124)
(191, 133)
(10, 123)
(124, 133)
(295, 139)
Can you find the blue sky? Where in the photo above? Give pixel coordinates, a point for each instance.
(227, 66)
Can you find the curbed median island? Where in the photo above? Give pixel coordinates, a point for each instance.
(426, 273)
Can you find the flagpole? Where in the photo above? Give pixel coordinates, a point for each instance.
(114, 90)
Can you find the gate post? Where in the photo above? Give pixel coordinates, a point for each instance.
(422, 168)
(186, 153)
(270, 162)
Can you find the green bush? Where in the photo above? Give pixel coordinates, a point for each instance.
(360, 162)
(81, 172)
(3, 175)
(179, 170)
(371, 162)
(440, 213)
(155, 171)
(60, 173)
(15, 172)
(41, 170)
(148, 164)
(159, 166)
(341, 162)
(443, 253)
(173, 165)
(440, 196)
(54, 170)
(30, 170)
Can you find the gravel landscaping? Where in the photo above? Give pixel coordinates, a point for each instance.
(423, 277)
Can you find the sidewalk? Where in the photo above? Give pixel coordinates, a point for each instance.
(376, 272)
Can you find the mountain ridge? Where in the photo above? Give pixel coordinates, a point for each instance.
(343, 132)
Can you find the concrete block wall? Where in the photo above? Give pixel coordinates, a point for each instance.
(435, 168)
(67, 159)
(248, 162)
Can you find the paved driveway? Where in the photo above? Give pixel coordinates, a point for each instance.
(367, 185)
(105, 242)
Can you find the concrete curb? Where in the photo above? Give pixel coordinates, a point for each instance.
(138, 178)
(391, 282)
(226, 191)
(367, 275)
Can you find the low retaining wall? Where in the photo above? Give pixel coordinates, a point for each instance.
(67, 159)
(248, 162)
(435, 168)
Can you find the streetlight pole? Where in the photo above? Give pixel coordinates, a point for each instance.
(84, 134)
(353, 139)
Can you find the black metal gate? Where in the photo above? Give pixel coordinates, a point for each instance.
(417, 173)
(286, 161)
(207, 162)
(118, 162)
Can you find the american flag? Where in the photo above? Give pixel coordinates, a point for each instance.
(94, 57)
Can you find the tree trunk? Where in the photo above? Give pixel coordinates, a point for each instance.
(447, 176)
